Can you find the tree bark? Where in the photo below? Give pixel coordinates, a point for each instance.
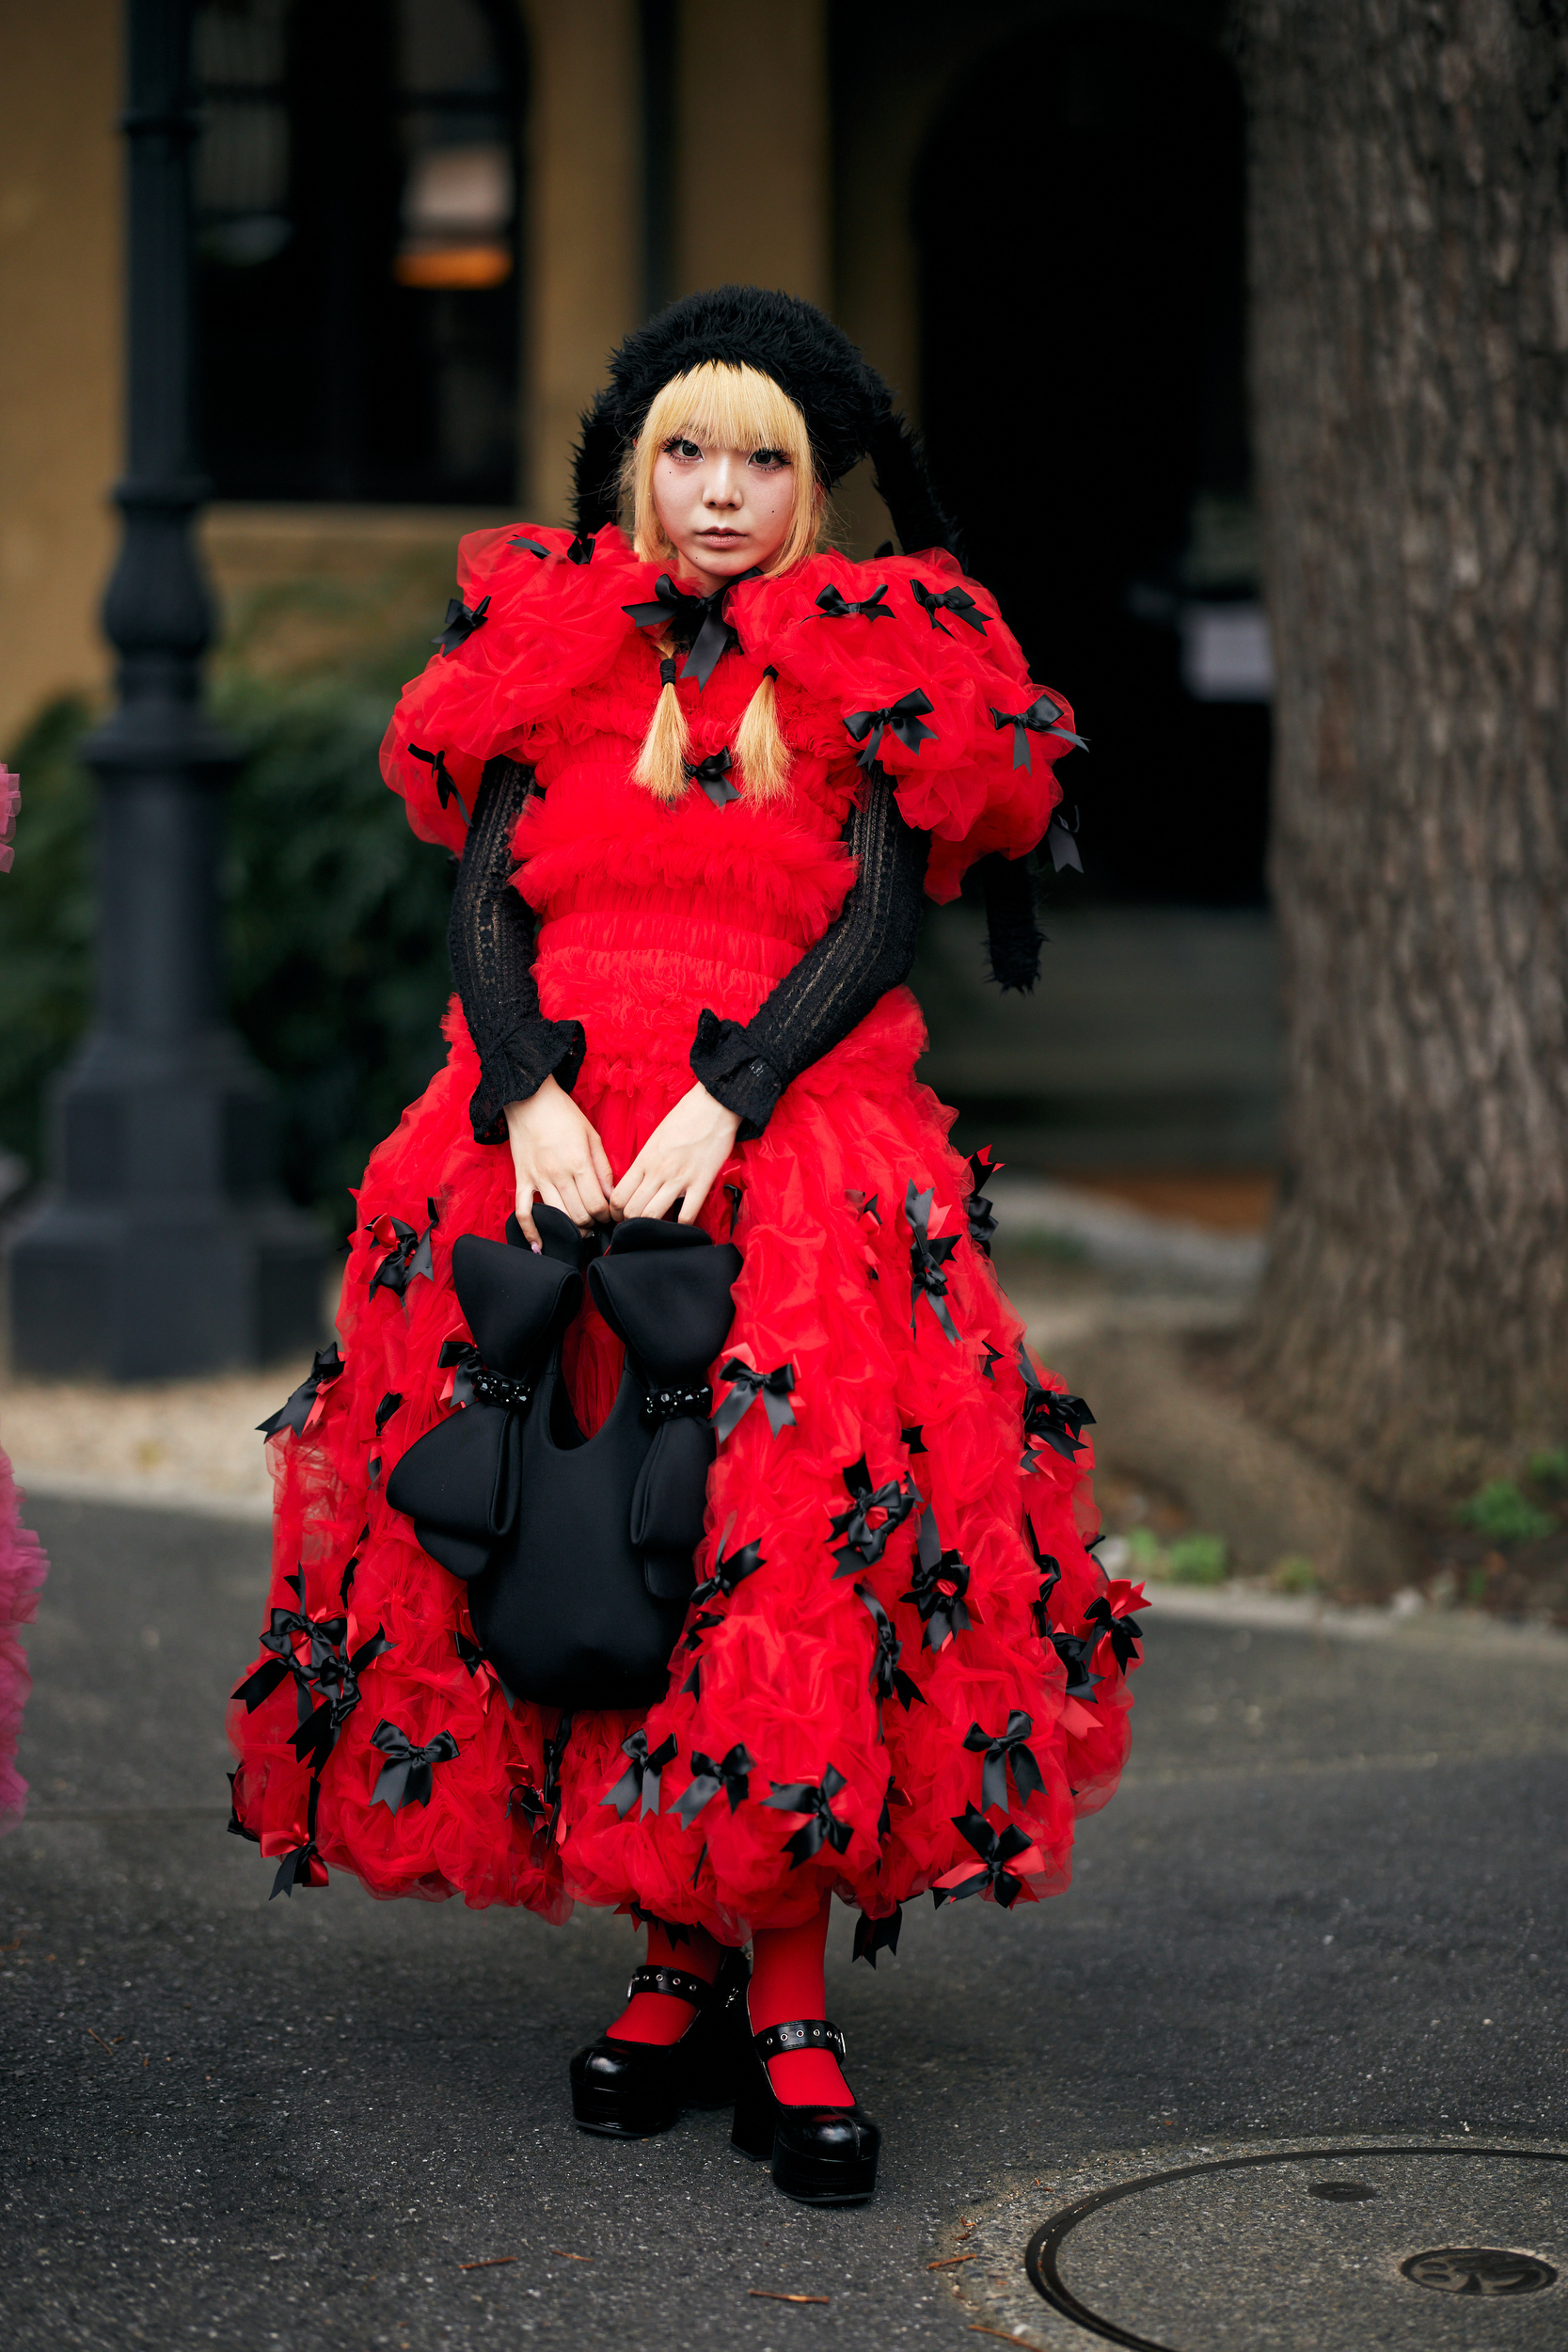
(1409, 270)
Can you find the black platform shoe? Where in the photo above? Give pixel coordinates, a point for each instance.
(627, 2089)
(821, 2155)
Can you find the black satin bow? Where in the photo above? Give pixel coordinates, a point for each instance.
(927, 1258)
(864, 1204)
(641, 1775)
(732, 1773)
(1038, 719)
(888, 1679)
(713, 774)
(408, 1776)
(743, 1561)
(304, 1867)
(1050, 1415)
(979, 1211)
(553, 1755)
(866, 727)
(1051, 1576)
(695, 622)
(445, 788)
(581, 548)
(823, 1826)
(1001, 1749)
(460, 624)
(860, 1543)
(296, 1410)
(532, 545)
(321, 1635)
(473, 1382)
(774, 1388)
(1075, 1651)
(954, 600)
(409, 1254)
(876, 1935)
(1124, 1633)
(337, 1680)
(837, 606)
(995, 1853)
(940, 1581)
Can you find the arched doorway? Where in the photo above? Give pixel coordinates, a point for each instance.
(1079, 216)
(357, 235)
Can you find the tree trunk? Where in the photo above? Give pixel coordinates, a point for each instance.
(1409, 266)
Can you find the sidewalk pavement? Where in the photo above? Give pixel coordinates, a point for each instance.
(1330, 1900)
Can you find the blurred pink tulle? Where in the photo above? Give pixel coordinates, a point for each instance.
(24, 1566)
(11, 800)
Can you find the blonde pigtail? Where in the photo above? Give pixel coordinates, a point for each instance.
(661, 762)
(763, 754)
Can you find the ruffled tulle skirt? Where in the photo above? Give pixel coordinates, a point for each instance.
(23, 1566)
(887, 1726)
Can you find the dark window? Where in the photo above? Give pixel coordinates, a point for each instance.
(1079, 213)
(358, 299)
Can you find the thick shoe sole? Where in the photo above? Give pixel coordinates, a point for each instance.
(858, 2188)
(623, 2122)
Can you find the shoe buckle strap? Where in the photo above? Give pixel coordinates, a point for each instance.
(677, 1984)
(800, 2033)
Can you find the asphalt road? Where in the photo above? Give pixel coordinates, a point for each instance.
(1330, 1898)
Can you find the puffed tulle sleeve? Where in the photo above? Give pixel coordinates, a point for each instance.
(915, 667)
(538, 612)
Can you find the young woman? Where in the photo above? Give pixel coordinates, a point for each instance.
(700, 777)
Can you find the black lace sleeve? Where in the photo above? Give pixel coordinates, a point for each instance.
(866, 951)
(491, 941)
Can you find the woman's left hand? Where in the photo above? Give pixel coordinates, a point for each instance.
(683, 1155)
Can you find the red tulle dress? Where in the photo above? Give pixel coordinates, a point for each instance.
(941, 1752)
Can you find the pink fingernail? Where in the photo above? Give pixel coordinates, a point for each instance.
(537, 1247)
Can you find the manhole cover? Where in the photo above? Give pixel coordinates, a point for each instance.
(1313, 2249)
(1478, 2270)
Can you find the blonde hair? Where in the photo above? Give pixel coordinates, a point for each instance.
(733, 408)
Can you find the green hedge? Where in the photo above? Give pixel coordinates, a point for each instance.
(336, 921)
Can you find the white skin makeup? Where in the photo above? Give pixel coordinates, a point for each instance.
(725, 511)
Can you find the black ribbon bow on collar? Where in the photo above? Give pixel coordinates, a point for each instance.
(876, 1935)
(774, 1388)
(732, 1773)
(731, 1571)
(954, 600)
(860, 1543)
(445, 788)
(1001, 1748)
(531, 546)
(408, 1776)
(338, 1681)
(995, 1853)
(1050, 1415)
(980, 1212)
(941, 1579)
(1038, 719)
(460, 624)
(695, 622)
(928, 1259)
(641, 1775)
(713, 774)
(581, 548)
(867, 727)
(888, 1679)
(1124, 1633)
(295, 1411)
(408, 1253)
(836, 606)
(823, 1827)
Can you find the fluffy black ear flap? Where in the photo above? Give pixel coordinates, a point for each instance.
(905, 488)
(596, 467)
(1013, 937)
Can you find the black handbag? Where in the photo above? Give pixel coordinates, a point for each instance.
(576, 1551)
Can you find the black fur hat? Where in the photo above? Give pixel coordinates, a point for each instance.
(847, 406)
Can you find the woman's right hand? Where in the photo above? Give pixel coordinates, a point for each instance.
(559, 1159)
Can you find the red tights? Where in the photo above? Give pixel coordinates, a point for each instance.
(786, 1983)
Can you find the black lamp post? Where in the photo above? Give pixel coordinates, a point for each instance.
(164, 1245)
